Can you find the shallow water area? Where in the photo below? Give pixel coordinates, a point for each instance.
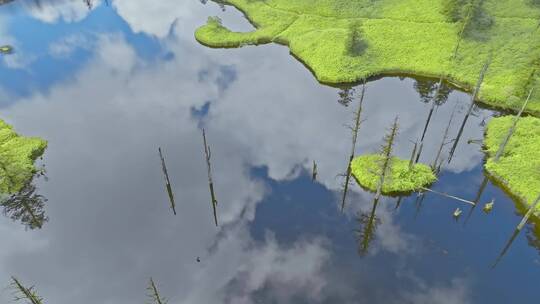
(107, 86)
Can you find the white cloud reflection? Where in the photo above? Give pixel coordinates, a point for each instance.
(110, 227)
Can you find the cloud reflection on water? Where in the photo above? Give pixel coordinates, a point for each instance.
(110, 226)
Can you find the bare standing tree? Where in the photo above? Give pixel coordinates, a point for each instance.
(471, 107)
(26, 206)
(354, 130)
(22, 293)
(386, 153)
(153, 294)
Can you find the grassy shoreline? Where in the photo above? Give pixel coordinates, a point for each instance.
(518, 169)
(396, 38)
(17, 157)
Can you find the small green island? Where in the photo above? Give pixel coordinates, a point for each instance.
(17, 157)
(518, 169)
(402, 178)
(345, 41)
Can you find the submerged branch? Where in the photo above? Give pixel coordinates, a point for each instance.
(449, 196)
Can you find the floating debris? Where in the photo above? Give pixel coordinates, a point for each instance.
(489, 206)
(6, 49)
(457, 213)
(477, 199)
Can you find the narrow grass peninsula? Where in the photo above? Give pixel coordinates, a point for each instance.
(17, 157)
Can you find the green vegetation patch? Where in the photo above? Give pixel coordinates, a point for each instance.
(366, 169)
(349, 40)
(518, 169)
(17, 156)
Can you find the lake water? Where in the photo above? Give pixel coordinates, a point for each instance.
(108, 86)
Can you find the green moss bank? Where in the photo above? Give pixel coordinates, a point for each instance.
(366, 169)
(518, 169)
(17, 156)
(349, 40)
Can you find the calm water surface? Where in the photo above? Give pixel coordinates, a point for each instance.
(108, 86)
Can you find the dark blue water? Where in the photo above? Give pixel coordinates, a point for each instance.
(108, 86)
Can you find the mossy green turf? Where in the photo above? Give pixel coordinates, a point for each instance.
(400, 36)
(17, 156)
(366, 169)
(518, 169)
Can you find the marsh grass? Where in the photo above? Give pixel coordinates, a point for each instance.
(17, 157)
(517, 169)
(409, 36)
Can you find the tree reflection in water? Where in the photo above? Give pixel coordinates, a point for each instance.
(368, 223)
(26, 206)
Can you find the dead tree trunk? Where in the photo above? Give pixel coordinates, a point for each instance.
(512, 128)
(445, 138)
(517, 231)
(428, 120)
(354, 129)
(471, 107)
(167, 181)
(208, 155)
(386, 152)
(449, 196)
